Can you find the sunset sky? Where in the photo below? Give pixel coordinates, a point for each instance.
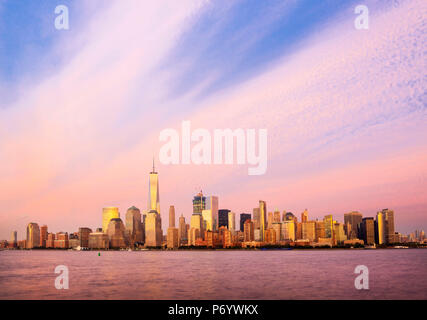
(81, 110)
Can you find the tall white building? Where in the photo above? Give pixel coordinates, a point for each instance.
(212, 205)
(231, 221)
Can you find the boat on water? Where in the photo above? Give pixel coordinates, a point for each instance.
(401, 247)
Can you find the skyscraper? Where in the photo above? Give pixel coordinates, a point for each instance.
(389, 226)
(153, 229)
(43, 236)
(134, 225)
(339, 235)
(153, 191)
(262, 213)
(288, 230)
(172, 236)
(248, 230)
(380, 232)
(199, 203)
(276, 216)
(304, 216)
(171, 217)
(153, 221)
(14, 238)
(33, 235)
(117, 234)
(232, 221)
(269, 220)
(182, 230)
(84, 237)
(367, 230)
(354, 218)
(109, 213)
(212, 205)
(328, 221)
(223, 218)
(256, 218)
(308, 230)
(243, 218)
(208, 223)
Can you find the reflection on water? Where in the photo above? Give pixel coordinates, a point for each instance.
(294, 274)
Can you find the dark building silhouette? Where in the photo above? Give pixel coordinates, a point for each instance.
(223, 218)
(243, 218)
(367, 230)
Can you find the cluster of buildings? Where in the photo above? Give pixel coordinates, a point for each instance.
(212, 227)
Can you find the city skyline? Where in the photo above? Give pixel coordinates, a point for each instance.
(263, 221)
(81, 110)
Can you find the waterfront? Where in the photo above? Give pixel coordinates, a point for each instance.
(270, 274)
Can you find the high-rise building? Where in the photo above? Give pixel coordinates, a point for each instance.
(153, 191)
(231, 222)
(339, 234)
(256, 218)
(304, 216)
(153, 229)
(390, 235)
(243, 218)
(182, 230)
(33, 235)
(109, 213)
(171, 217)
(84, 237)
(43, 236)
(193, 234)
(14, 239)
(212, 205)
(277, 227)
(116, 232)
(380, 231)
(276, 216)
(367, 230)
(308, 230)
(172, 238)
(99, 240)
(248, 230)
(50, 242)
(199, 203)
(172, 241)
(196, 222)
(328, 221)
(208, 222)
(288, 230)
(262, 213)
(153, 221)
(320, 230)
(354, 218)
(289, 216)
(61, 240)
(269, 220)
(298, 230)
(134, 225)
(223, 218)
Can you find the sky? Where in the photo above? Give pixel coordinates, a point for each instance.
(81, 110)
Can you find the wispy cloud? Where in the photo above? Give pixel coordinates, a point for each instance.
(341, 107)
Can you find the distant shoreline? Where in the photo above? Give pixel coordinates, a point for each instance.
(213, 249)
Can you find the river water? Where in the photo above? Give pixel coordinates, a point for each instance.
(270, 274)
